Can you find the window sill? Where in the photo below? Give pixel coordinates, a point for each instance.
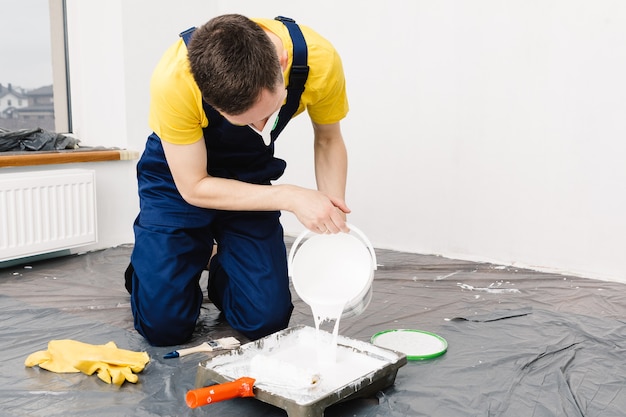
(30, 158)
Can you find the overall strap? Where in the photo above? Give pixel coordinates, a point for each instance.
(186, 35)
(299, 67)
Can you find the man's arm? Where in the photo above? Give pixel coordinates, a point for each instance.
(314, 209)
(331, 165)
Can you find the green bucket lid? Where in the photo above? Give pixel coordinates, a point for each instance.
(417, 345)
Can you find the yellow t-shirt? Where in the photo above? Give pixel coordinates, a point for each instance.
(176, 113)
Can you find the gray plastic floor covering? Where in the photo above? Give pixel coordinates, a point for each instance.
(521, 343)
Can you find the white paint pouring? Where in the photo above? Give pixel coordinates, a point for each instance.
(333, 274)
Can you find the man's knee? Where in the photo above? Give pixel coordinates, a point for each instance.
(261, 321)
(166, 319)
(164, 329)
(164, 313)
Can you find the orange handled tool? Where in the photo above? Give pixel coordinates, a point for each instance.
(242, 387)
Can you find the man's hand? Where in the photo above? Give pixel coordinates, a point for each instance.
(319, 212)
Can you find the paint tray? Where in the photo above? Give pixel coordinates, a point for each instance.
(361, 370)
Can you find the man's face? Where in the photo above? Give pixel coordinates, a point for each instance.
(267, 105)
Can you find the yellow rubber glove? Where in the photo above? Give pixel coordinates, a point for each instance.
(112, 364)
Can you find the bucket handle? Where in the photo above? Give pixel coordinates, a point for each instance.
(296, 243)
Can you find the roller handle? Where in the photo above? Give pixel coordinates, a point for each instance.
(242, 387)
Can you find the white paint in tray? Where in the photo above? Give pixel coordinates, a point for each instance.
(297, 351)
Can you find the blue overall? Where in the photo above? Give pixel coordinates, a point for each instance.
(248, 278)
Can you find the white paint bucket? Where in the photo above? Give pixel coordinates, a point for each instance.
(334, 271)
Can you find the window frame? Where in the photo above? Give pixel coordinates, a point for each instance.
(60, 66)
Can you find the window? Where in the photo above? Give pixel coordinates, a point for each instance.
(33, 76)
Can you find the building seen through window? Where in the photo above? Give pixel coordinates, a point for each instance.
(26, 94)
(24, 109)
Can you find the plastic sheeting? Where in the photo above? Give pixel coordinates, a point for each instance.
(521, 343)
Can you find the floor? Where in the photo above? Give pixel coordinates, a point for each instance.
(520, 343)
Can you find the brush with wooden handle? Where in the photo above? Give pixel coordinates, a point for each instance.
(210, 346)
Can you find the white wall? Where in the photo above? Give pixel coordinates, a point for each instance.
(487, 130)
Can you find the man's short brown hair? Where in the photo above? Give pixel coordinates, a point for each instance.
(232, 60)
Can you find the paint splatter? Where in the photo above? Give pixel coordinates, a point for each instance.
(492, 289)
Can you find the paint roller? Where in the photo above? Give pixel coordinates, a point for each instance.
(263, 370)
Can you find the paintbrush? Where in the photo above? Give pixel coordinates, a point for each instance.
(210, 346)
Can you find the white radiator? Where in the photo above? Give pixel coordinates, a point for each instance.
(46, 211)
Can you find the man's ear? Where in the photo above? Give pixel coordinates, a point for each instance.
(283, 59)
